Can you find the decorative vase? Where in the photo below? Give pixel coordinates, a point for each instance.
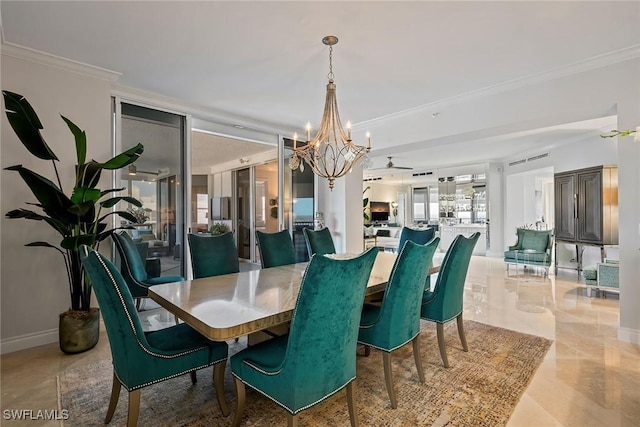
(79, 330)
(319, 221)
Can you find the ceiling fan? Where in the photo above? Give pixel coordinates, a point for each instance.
(391, 165)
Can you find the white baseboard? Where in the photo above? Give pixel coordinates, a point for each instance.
(24, 342)
(629, 335)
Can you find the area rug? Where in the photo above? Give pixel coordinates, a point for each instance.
(481, 388)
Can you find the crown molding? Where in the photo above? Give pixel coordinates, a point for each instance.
(33, 55)
(599, 61)
(236, 123)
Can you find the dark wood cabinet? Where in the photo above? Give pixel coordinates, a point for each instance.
(586, 206)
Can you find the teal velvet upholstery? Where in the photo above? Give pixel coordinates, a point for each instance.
(318, 356)
(133, 267)
(445, 302)
(141, 359)
(397, 321)
(540, 241)
(276, 249)
(420, 237)
(213, 255)
(319, 242)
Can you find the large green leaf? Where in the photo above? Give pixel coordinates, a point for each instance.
(125, 158)
(44, 245)
(74, 242)
(88, 174)
(24, 213)
(111, 190)
(115, 200)
(81, 140)
(53, 201)
(81, 209)
(122, 214)
(26, 124)
(85, 194)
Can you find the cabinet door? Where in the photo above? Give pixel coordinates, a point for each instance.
(565, 207)
(589, 206)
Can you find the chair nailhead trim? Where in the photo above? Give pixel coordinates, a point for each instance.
(391, 349)
(292, 412)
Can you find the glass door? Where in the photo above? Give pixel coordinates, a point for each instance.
(299, 201)
(155, 179)
(243, 213)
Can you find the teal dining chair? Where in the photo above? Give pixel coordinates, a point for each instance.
(318, 356)
(444, 303)
(396, 321)
(319, 242)
(143, 358)
(133, 268)
(420, 237)
(276, 249)
(213, 255)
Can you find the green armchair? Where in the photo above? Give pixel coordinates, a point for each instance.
(143, 358)
(533, 247)
(393, 324)
(318, 356)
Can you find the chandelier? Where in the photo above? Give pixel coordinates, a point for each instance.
(330, 153)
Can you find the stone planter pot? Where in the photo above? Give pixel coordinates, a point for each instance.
(79, 330)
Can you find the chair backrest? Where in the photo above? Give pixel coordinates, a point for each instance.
(133, 266)
(420, 237)
(399, 318)
(319, 242)
(213, 255)
(126, 337)
(321, 350)
(449, 288)
(275, 248)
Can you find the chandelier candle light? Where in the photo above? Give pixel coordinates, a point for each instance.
(330, 153)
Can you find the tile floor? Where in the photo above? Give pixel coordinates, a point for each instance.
(588, 378)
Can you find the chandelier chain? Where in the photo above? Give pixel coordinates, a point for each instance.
(330, 76)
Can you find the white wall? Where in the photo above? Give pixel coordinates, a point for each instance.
(34, 282)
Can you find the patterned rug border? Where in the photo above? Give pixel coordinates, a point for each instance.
(481, 388)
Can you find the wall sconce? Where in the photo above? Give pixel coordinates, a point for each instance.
(394, 206)
(132, 169)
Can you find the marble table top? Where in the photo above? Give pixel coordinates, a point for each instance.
(233, 305)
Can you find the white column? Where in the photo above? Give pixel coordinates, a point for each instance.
(629, 214)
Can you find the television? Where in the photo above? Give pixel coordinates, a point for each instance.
(379, 211)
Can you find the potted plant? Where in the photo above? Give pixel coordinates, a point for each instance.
(219, 228)
(79, 218)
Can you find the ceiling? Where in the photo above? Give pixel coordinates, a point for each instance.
(264, 66)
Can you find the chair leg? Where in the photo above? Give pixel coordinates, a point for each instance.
(367, 350)
(239, 403)
(351, 401)
(138, 303)
(134, 408)
(443, 350)
(176, 319)
(463, 337)
(418, 357)
(292, 420)
(388, 378)
(113, 402)
(194, 378)
(218, 381)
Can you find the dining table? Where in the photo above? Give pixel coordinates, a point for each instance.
(233, 305)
